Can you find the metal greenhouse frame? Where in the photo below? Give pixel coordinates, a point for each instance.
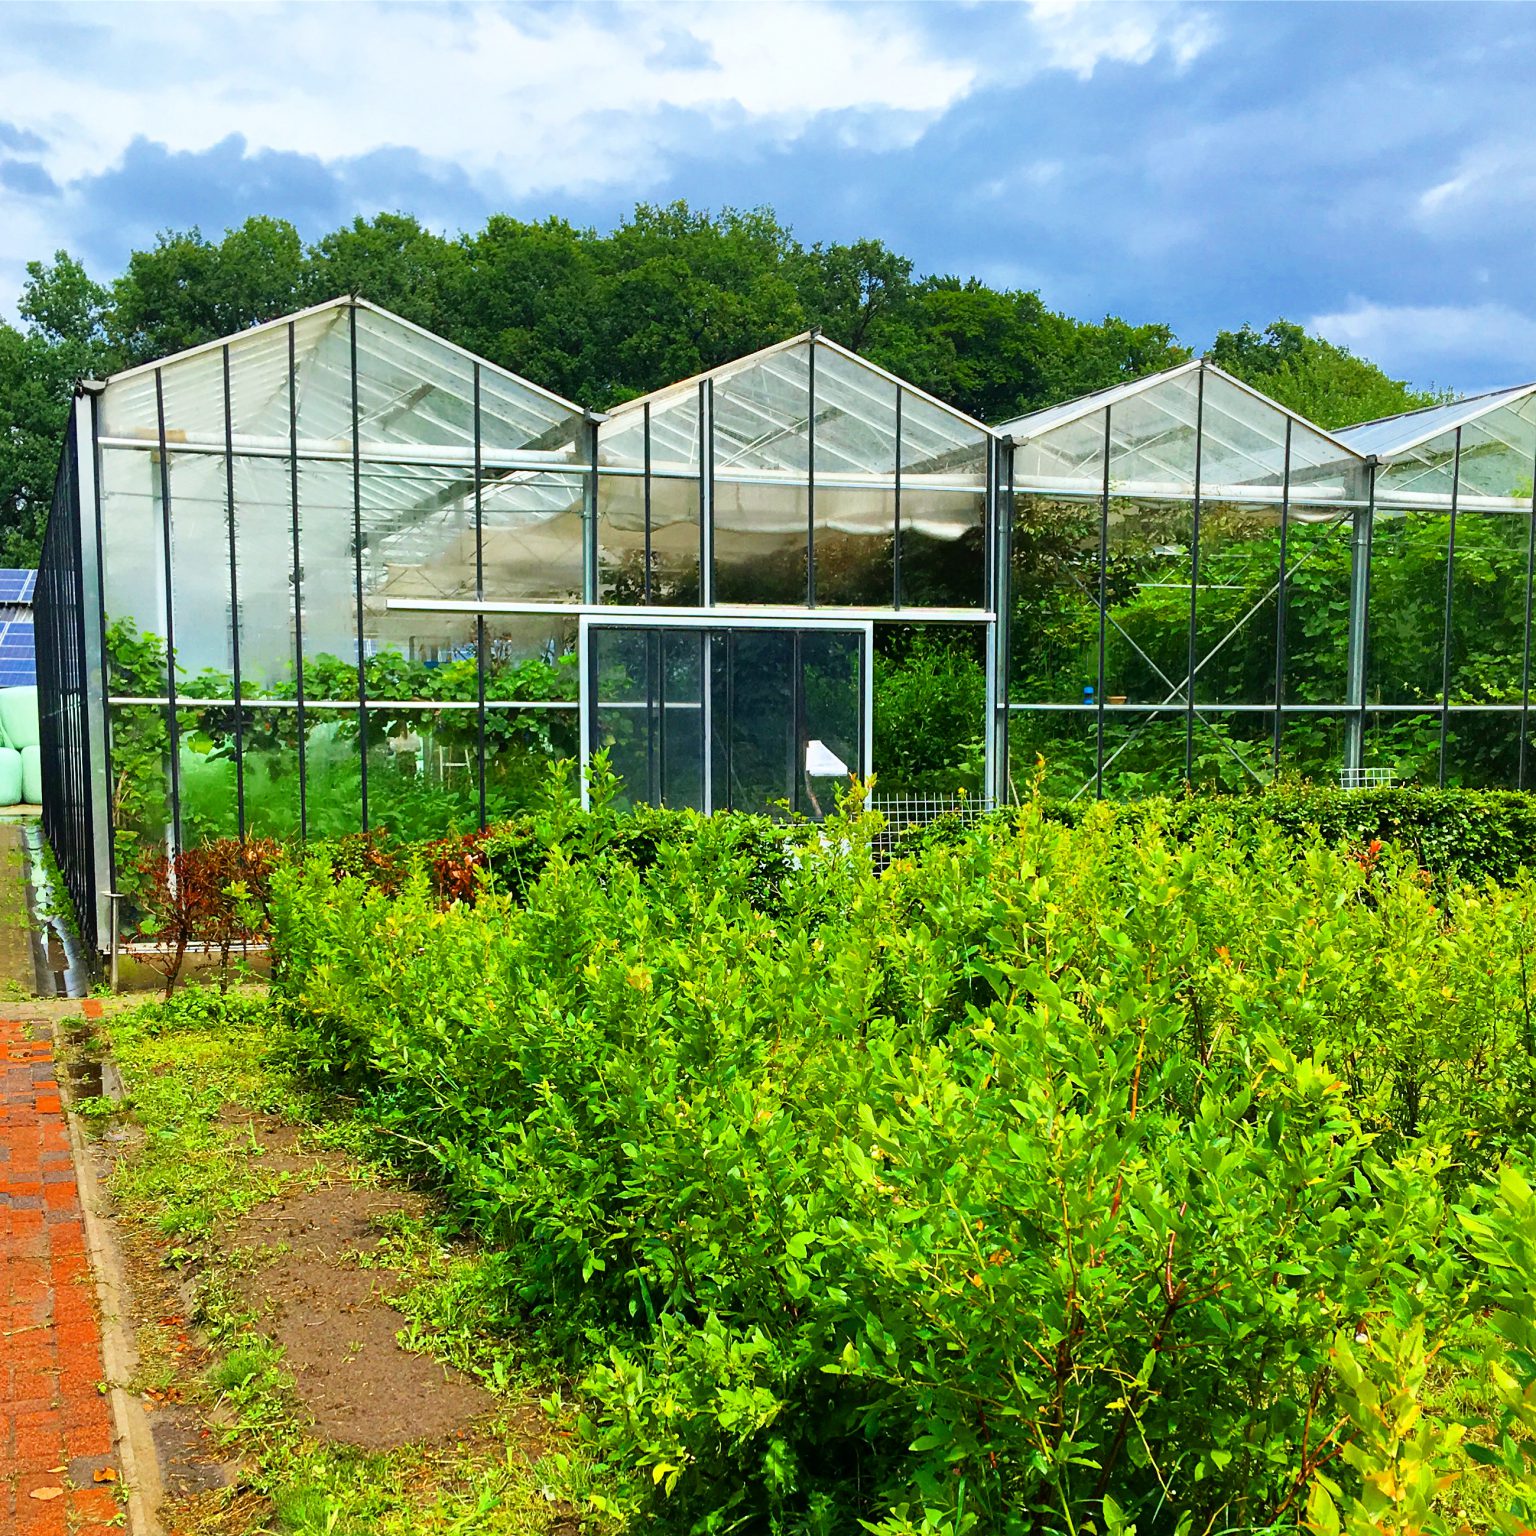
(335, 571)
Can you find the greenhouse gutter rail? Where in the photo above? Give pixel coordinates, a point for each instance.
(702, 617)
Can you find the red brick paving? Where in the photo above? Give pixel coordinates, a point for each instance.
(56, 1428)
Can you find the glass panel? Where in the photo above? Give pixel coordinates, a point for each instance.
(1482, 749)
(1312, 747)
(1235, 605)
(1488, 607)
(1497, 453)
(942, 522)
(141, 794)
(520, 745)
(209, 792)
(1054, 626)
(418, 542)
(1152, 439)
(1147, 637)
(762, 459)
(755, 742)
(1406, 615)
(761, 535)
(532, 537)
(329, 579)
(678, 655)
(411, 389)
(264, 567)
(674, 502)
(1319, 557)
(856, 434)
(133, 569)
(200, 588)
(323, 360)
(1054, 751)
(333, 779)
(528, 658)
(1069, 457)
(1407, 745)
(623, 711)
(1243, 452)
(832, 712)
(423, 778)
(271, 761)
(1427, 470)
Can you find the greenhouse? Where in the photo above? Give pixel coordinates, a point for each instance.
(335, 573)
(1205, 588)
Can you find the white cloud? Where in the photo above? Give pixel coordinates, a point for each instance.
(1429, 342)
(1080, 35)
(574, 99)
(1493, 181)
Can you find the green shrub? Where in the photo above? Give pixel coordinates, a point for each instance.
(1061, 1179)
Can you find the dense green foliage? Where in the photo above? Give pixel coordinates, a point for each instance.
(1313, 377)
(1065, 1178)
(599, 317)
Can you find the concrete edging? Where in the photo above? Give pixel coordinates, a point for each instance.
(138, 1460)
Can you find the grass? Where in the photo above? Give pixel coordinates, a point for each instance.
(185, 1174)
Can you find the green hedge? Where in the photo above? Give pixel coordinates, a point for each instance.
(1471, 834)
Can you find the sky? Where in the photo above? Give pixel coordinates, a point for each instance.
(1367, 170)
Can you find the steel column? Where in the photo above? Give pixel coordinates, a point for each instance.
(1362, 538)
(1194, 581)
(1450, 587)
(234, 599)
(357, 562)
(1098, 698)
(298, 579)
(173, 727)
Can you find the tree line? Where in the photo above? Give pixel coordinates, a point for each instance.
(604, 316)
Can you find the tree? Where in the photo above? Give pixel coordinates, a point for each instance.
(524, 297)
(188, 290)
(680, 291)
(64, 341)
(855, 292)
(391, 259)
(1325, 383)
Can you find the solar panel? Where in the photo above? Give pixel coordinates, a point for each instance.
(17, 586)
(18, 651)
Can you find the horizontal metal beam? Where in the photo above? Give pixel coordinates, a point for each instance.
(721, 616)
(347, 705)
(1430, 709)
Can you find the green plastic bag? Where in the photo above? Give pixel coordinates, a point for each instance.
(18, 717)
(10, 776)
(32, 775)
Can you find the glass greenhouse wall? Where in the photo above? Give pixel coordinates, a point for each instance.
(336, 574)
(1207, 589)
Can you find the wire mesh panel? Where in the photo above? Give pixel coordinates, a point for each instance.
(63, 700)
(1367, 778)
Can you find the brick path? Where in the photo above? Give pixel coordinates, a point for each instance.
(56, 1426)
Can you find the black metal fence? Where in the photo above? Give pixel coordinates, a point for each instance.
(63, 698)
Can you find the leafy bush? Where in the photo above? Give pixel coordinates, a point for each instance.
(1453, 833)
(1067, 1178)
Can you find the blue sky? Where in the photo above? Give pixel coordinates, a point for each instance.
(1367, 170)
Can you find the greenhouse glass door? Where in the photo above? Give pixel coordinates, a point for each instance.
(757, 715)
